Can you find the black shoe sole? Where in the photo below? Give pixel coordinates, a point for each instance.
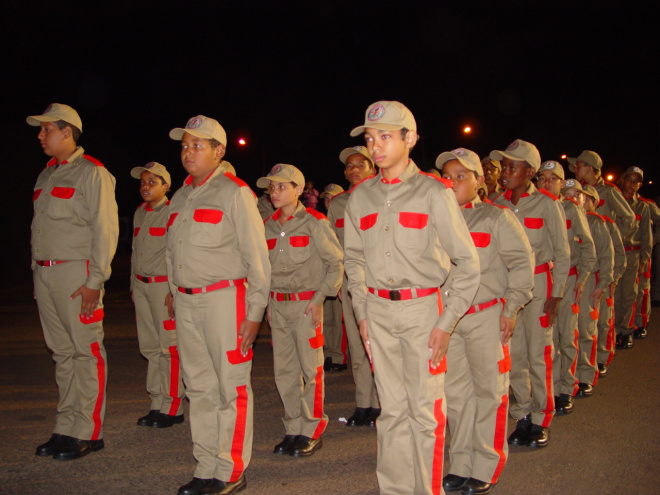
(79, 455)
(297, 453)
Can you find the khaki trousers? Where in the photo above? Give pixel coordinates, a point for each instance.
(157, 340)
(217, 380)
(531, 358)
(606, 331)
(411, 427)
(366, 394)
(298, 361)
(587, 370)
(334, 334)
(643, 306)
(477, 391)
(81, 368)
(625, 296)
(565, 341)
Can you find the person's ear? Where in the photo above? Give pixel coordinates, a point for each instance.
(480, 181)
(220, 151)
(411, 139)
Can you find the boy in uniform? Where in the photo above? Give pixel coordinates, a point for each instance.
(149, 291)
(638, 253)
(306, 262)
(492, 171)
(74, 237)
(477, 380)
(358, 166)
(606, 331)
(598, 282)
(583, 257)
(219, 274)
(531, 345)
(403, 230)
(334, 333)
(643, 305)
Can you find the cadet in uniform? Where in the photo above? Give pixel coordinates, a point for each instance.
(265, 205)
(643, 306)
(403, 230)
(478, 362)
(638, 253)
(606, 331)
(306, 261)
(334, 333)
(150, 291)
(551, 178)
(531, 345)
(358, 166)
(218, 271)
(492, 171)
(74, 238)
(596, 285)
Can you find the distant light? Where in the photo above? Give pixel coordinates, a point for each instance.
(610, 177)
(563, 157)
(242, 142)
(650, 182)
(467, 129)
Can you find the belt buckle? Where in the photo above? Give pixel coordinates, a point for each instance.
(287, 297)
(188, 291)
(395, 295)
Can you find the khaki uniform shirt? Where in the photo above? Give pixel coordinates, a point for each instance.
(216, 233)
(654, 212)
(505, 256)
(405, 234)
(581, 244)
(604, 250)
(543, 219)
(643, 237)
(266, 208)
(620, 259)
(336, 213)
(150, 240)
(75, 215)
(304, 254)
(612, 204)
(498, 190)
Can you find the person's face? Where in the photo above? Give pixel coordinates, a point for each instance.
(589, 203)
(52, 139)
(388, 148)
(358, 168)
(515, 173)
(284, 194)
(491, 173)
(198, 157)
(466, 184)
(575, 194)
(550, 181)
(631, 184)
(152, 188)
(582, 170)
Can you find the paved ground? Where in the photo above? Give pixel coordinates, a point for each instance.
(609, 445)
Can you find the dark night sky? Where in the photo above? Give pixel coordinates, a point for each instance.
(295, 78)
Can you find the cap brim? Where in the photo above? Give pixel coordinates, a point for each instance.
(344, 155)
(177, 134)
(136, 172)
(36, 120)
(381, 127)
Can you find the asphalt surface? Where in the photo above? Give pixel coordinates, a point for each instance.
(609, 445)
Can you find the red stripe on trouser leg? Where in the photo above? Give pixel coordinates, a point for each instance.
(500, 437)
(318, 403)
(592, 357)
(438, 449)
(235, 356)
(174, 380)
(550, 404)
(611, 337)
(631, 323)
(644, 308)
(87, 268)
(344, 340)
(100, 370)
(239, 433)
(576, 342)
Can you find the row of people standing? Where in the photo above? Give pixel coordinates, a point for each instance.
(412, 251)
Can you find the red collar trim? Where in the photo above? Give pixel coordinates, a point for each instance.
(53, 161)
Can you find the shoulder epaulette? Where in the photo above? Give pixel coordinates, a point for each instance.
(597, 215)
(607, 219)
(611, 184)
(489, 202)
(93, 160)
(136, 209)
(363, 180)
(548, 194)
(448, 183)
(646, 200)
(337, 195)
(240, 182)
(316, 214)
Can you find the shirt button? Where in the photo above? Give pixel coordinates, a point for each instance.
(516, 210)
(180, 241)
(184, 219)
(282, 234)
(36, 250)
(189, 199)
(46, 194)
(390, 281)
(179, 267)
(389, 203)
(281, 250)
(387, 227)
(387, 253)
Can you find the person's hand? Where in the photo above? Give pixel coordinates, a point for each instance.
(550, 309)
(248, 333)
(90, 300)
(612, 289)
(640, 269)
(438, 344)
(364, 334)
(506, 328)
(169, 302)
(579, 288)
(595, 297)
(317, 313)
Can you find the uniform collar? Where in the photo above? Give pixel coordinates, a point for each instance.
(411, 171)
(163, 201)
(474, 202)
(278, 212)
(531, 189)
(76, 153)
(219, 170)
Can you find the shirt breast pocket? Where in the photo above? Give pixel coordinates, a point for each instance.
(300, 248)
(62, 202)
(207, 227)
(413, 229)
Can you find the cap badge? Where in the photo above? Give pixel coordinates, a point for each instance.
(513, 145)
(637, 170)
(330, 187)
(149, 165)
(459, 152)
(357, 148)
(549, 165)
(194, 123)
(275, 170)
(376, 112)
(570, 183)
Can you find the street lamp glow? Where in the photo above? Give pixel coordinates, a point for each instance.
(467, 129)
(242, 142)
(563, 157)
(610, 177)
